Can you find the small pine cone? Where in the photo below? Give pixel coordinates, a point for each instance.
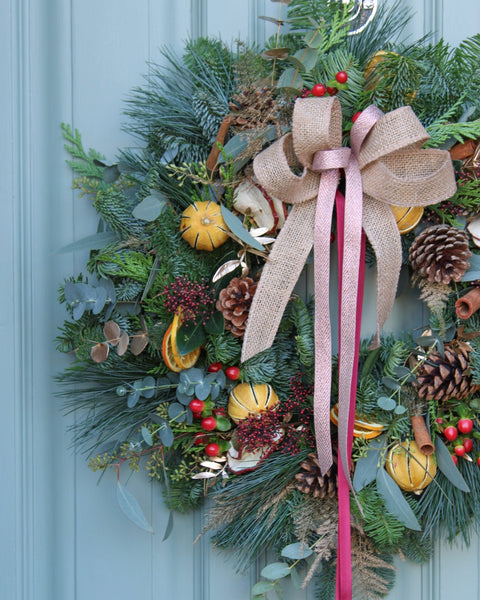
(234, 302)
(440, 253)
(310, 480)
(442, 378)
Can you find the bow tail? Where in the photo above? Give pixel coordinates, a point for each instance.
(323, 336)
(280, 274)
(382, 231)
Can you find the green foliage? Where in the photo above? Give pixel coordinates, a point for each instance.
(85, 164)
(303, 322)
(116, 211)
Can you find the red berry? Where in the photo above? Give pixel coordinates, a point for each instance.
(454, 458)
(319, 89)
(199, 439)
(220, 411)
(209, 423)
(196, 406)
(468, 444)
(356, 115)
(215, 367)
(212, 449)
(465, 425)
(478, 461)
(232, 373)
(332, 90)
(459, 450)
(341, 77)
(439, 420)
(450, 433)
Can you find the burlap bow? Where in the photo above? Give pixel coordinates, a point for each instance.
(384, 166)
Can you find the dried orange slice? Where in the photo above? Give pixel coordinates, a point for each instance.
(173, 359)
(364, 429)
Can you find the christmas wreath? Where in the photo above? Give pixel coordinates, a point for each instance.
(194, 357)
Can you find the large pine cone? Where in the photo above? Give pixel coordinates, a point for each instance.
(234, 302)
(440, 253)
(443, 378)
(310, 480)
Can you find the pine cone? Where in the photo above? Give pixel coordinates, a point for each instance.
(253, 108)
(310, 480)
(440, 253)
(234, 302)
(442, 378)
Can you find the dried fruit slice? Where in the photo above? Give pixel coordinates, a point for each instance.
(365, 429)
(173, 359)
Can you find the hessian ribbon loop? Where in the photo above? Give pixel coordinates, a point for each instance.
(385, 165)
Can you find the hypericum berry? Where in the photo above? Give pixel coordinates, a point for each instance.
(220, 411)
(212, 449)
(319, 89)
(341, 77)
(215, 367)
(332, 90)
(209, 423)
(459, 450)
(465, 425)
(232, 373)
(356, 115)
(478, 461)
(196, 406)
(454, 458)
(450, 433)
(468, 444)
(199, 439)
(439, 420)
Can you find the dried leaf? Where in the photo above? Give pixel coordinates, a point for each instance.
(99, 352)
(123, 343)
(276, 53)
(139, 342)
(204, 475)
(111, 331)
(226, 268)
(210, 465)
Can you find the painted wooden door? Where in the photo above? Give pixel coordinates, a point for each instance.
(62, 535)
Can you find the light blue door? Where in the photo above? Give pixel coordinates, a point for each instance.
(63, 536)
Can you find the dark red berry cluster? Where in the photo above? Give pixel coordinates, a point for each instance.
(298, 411)
(259, 430)
(192, 298)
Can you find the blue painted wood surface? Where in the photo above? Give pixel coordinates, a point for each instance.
(62, 535)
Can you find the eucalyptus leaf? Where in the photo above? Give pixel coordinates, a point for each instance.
(70, 292)
(147, 436)
(425, 341)
(100, 299)
(308, 57)
(202, 390)
(166, 434)
(448, 467)
(111, 174)
(402, 372)
(473, 271)
(275, 570)
(390, 383)
(95, 241)
(262, 587)
(366, 467)
(150, 208)
(295, 578)
(237, 228)
(133, 398)
(296, 551)
(182, 397)
(176, 412)
(400, 409)
(313, 39)
(214, 391)
(395, 501)
(291, 79)
(296, 63)
(386, 403)
(169, 527)
(131, 508)
(148, 387)
(78, 310)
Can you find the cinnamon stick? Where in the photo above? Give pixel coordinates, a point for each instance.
(463, 150)
(422, 437)
(468, 304)
(221, 135)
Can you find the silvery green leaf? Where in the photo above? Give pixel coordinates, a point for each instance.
(182, 397)
(386, 403)
(262, 587)
(150, 207)
(202, 390)
(148, 387)
(296, 551)
(291, 79)
(78, 310)
(166, 434)
(400, 409)
(308, 57)
(147, 436)
(129, 505)
(448, 467)
(95, 241)
(366, 467)
(100, 299)
(237, 228)
(275, 570)
(133, 398)
(395, 501)
(176, 412)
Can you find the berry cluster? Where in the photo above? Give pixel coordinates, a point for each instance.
(193, 298)
(459, 433)
(330, 89)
